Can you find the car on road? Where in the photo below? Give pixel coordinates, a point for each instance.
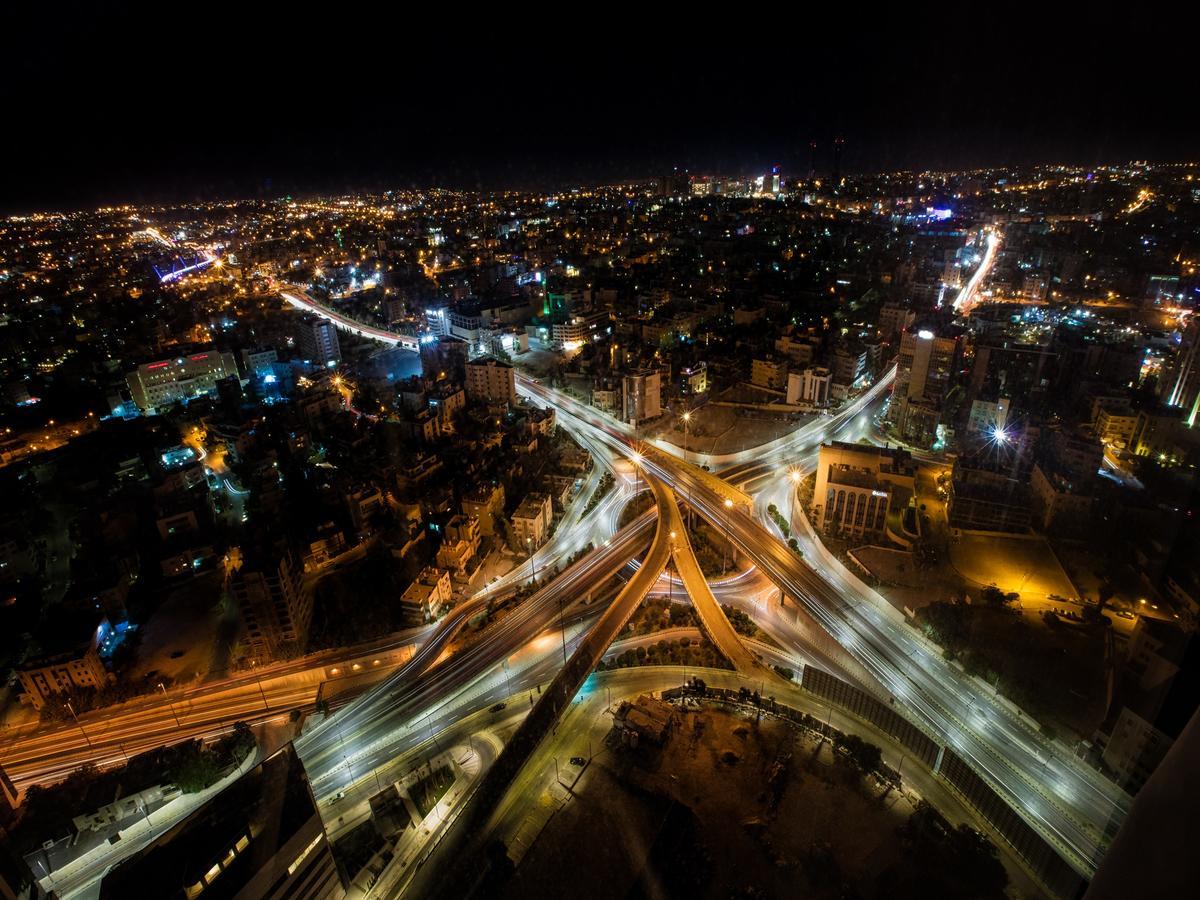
(578, 761)
(499, 706)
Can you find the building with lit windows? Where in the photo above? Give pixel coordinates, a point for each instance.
(73, 662)
(531, 520)
(261, 837)
(317, 341)
(693, 380)
(769, 372)
(425, 597)
(275, 608)
(863, 491)
(158, 384)
(923, 379)
(491, 380)
(812, 386)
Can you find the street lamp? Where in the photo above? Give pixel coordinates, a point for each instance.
(636, 458)
(687, 418)
(80, 724)
(728, 539)
(562, 627)
(532, 564)
(670, 578)
(163, 688)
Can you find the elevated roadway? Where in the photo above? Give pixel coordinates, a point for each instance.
(1071, 805)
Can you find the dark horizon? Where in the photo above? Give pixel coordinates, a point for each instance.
(119, 106)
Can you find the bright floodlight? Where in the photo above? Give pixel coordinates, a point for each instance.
(687, 417)
(728, 503)
(999, 435)
(636, 458)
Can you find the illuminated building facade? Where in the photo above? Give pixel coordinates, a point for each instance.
(158, 384)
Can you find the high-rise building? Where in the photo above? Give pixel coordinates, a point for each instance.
(923, 379)
(1155, 700)
(642, 392)
(260, 837)
(491, 380)
(1183, 383)
(317, 341)
(154, 385)
(275, 608)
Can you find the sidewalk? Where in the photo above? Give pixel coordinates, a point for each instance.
(413, 842)
(91, 866)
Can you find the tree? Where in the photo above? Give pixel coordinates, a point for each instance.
(865, 756)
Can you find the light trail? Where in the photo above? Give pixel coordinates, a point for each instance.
(962, 303)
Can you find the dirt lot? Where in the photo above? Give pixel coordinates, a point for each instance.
(725, 429)
(695, 819)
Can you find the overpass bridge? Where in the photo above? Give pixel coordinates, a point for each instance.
(304, 301)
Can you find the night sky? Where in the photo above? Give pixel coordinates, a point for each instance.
(177, 102)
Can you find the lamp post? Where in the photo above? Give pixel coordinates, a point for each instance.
(532, 564)
(163, 688)
(728, 539)
(80, 724)
(687, 418)
(562, 627)
(670, 578)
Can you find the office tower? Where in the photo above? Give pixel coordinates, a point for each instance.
(923, 379)
(1183, 382)
(317, 341)
(260, 837)
(642, 396)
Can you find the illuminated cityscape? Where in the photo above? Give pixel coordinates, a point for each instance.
(402, 502)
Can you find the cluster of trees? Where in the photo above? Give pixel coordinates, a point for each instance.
(778, 518)
(658, 613)
(741, 622)
(681, 652)
(865, 756)
(605, 485)
(943, 861)
(635, 508)
(362, 602)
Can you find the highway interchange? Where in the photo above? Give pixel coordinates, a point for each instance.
(1070, 804)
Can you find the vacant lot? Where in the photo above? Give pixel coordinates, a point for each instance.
(710, 816)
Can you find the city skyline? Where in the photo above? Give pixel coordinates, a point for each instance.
(752, 457)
